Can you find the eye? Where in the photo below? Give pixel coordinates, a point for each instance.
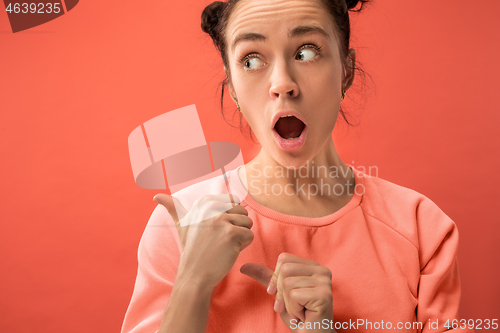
(306, 55)
(251, 62)
(307, 52)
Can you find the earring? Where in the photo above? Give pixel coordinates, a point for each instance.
(343, 95)
(239, 109)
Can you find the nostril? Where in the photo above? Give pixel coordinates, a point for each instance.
(277, 94)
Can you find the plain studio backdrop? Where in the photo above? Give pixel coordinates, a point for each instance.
(72, 90)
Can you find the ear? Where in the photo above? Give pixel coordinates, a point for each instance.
(229, 85)
(349, 70)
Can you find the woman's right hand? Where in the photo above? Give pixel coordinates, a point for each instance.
(210, 245)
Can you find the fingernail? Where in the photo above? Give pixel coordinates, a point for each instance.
(276, 306)
(271, 289)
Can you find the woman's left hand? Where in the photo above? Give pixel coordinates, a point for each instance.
(303, 291)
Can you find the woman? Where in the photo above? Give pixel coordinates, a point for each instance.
(314, 245)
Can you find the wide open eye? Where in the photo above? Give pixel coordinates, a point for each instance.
(307, 52)
(251, 62)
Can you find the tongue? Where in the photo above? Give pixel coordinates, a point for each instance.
(289, 127)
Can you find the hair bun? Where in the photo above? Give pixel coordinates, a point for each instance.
(210, 17)
(353, 3)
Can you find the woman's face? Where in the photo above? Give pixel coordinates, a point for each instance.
(278, 67)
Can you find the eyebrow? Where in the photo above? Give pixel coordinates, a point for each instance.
(295, 32)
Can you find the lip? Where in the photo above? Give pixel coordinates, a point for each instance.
(290, 145)
(294, 113)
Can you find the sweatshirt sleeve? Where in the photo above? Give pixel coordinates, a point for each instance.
(439, 287)
(158, 258)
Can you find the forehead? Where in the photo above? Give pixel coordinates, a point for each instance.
(275, 16)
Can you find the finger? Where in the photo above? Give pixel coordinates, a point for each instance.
(238, 210)
(273, 288)
(291, 269)
(287, 270)
(241, 221)
(320, 277)
(291, 285)
(289, 258)
(246, 238)
(316, 300)
(258, 272)
(173, 206)
(299, 297)
(206, 207)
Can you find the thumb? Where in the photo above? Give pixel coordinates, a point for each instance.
(172, 204)
(258, 272)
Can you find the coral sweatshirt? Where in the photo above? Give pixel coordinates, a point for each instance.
(392, 252)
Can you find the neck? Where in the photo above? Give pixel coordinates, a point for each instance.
(312, 174)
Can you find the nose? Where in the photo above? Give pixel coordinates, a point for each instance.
(283, 83)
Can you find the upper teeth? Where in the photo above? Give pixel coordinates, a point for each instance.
(288, 115)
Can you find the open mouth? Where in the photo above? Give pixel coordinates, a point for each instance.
(289, 127)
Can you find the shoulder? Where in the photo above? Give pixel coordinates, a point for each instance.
(411, 214)
(388, 201)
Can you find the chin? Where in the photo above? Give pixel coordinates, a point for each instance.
(293, 160)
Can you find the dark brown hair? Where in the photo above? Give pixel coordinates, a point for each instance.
(216, 15)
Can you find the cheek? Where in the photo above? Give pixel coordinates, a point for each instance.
(329, 79)
(321, 91)
(252, 96)
(323, 81)
(252, 106)
(322, 94)
(328, 95)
